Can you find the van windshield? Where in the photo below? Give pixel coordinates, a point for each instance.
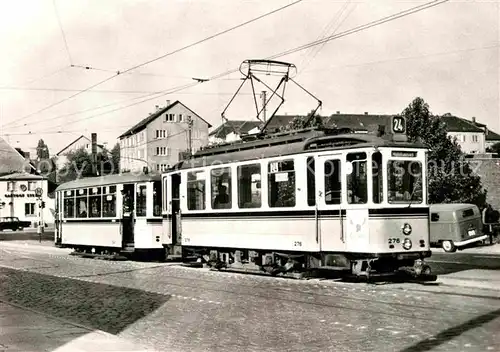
(404, 181)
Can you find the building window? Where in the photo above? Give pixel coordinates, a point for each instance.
(221, 188)
(29, 209)
(281, 181)
(196, 190)
(169, 117)
(357, 189)
(31, 185)
(11, 186)
(474, 138)
(180, 117)
(161, 151)
(161, 134)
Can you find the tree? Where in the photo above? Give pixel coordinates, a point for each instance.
(42, 151)
(115, 158)
(495, 148)
(451, 178)
(78, 165)
(301, 122)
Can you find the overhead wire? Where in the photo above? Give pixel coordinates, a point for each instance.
(353, 30)
(158, 58)
(62, 33)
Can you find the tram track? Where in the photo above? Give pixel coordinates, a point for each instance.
(243, 289)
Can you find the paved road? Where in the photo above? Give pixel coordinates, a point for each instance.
(446, 263)
(171, 308)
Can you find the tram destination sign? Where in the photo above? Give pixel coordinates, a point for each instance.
(403, 154)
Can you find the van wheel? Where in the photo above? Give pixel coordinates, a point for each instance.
(448, 246)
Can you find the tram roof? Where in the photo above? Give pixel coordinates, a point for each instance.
(289, 144)
(107, 180)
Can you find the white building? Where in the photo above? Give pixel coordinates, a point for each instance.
(159, 140)
(80, 142)
(17, 188)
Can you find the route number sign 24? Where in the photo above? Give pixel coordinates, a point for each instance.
(398, 124)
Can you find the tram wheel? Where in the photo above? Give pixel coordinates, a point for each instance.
(448, 246)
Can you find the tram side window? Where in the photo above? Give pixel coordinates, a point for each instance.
(157, 198)
(82, 203)
(333, 182)
(69, 204)
(377, 178)
(196, 186)
(311, 182)
(95, 202)
(221, 188)
(249, 186)
(404, 181)
(281, 181)
(141, 201)
(109, 201)
(357, 190)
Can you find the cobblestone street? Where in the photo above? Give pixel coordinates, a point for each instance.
(172, 308)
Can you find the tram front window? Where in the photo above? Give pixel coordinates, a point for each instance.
(404, 181)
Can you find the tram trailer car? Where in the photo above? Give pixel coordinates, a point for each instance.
(302, 201)
(111, 215)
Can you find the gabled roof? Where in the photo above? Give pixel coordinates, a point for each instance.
(11, 161)
(240, 127)
(76, 140)
(143, 123)
(492, 136)
(21, 176)
(458, 124)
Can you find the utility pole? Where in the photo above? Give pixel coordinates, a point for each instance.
(263, 96)
(94, 154)
(190, 139)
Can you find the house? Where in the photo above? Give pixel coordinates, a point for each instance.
(161, 139)
(18, 181)
(232, 131)
(492, 138)
(470, 135)
(81, 142)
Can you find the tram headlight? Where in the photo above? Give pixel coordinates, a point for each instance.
(406, 229)
(407, 244)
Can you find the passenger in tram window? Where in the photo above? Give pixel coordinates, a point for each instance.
(221, 201)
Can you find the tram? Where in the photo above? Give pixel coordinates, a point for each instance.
(314, 198)
(115, 215)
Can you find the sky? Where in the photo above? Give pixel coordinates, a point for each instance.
(447, 54)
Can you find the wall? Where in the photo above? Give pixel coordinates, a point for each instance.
(489, 170)
(467, 143)
(176, 136)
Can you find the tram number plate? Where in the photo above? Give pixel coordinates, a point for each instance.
(394, 240)
(297, 244)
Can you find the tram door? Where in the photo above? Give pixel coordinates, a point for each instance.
(176, 229)
(330, 219)
(58, 218)
(128, 195)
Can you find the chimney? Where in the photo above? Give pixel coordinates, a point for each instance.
(366, 112)
(168, 102)
(338, 112)
(474, 119)
(157, 107)
(94, 153)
